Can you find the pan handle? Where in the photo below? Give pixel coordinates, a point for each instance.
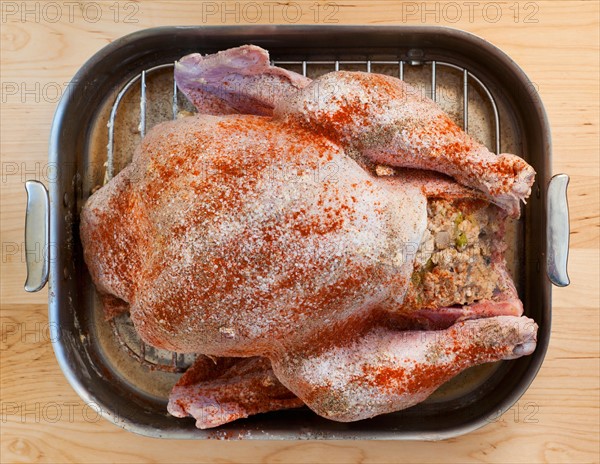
(557, 252)
(37, 235)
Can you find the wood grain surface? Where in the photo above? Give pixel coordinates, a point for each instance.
(556, 42)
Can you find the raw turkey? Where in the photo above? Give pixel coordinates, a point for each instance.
(259, 229)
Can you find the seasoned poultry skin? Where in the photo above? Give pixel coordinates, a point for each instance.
(241, 235)
(235, 244)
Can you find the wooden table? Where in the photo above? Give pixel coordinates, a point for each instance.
(556, 42)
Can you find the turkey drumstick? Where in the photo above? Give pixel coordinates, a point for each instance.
(386, 370)
(391, 123)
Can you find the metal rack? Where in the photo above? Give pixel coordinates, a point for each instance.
(121, 325)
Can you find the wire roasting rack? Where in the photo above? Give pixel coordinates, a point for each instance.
(121, 325)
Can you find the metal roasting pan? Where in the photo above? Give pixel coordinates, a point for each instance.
(117, 95)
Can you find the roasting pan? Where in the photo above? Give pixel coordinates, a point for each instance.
(124, 89)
